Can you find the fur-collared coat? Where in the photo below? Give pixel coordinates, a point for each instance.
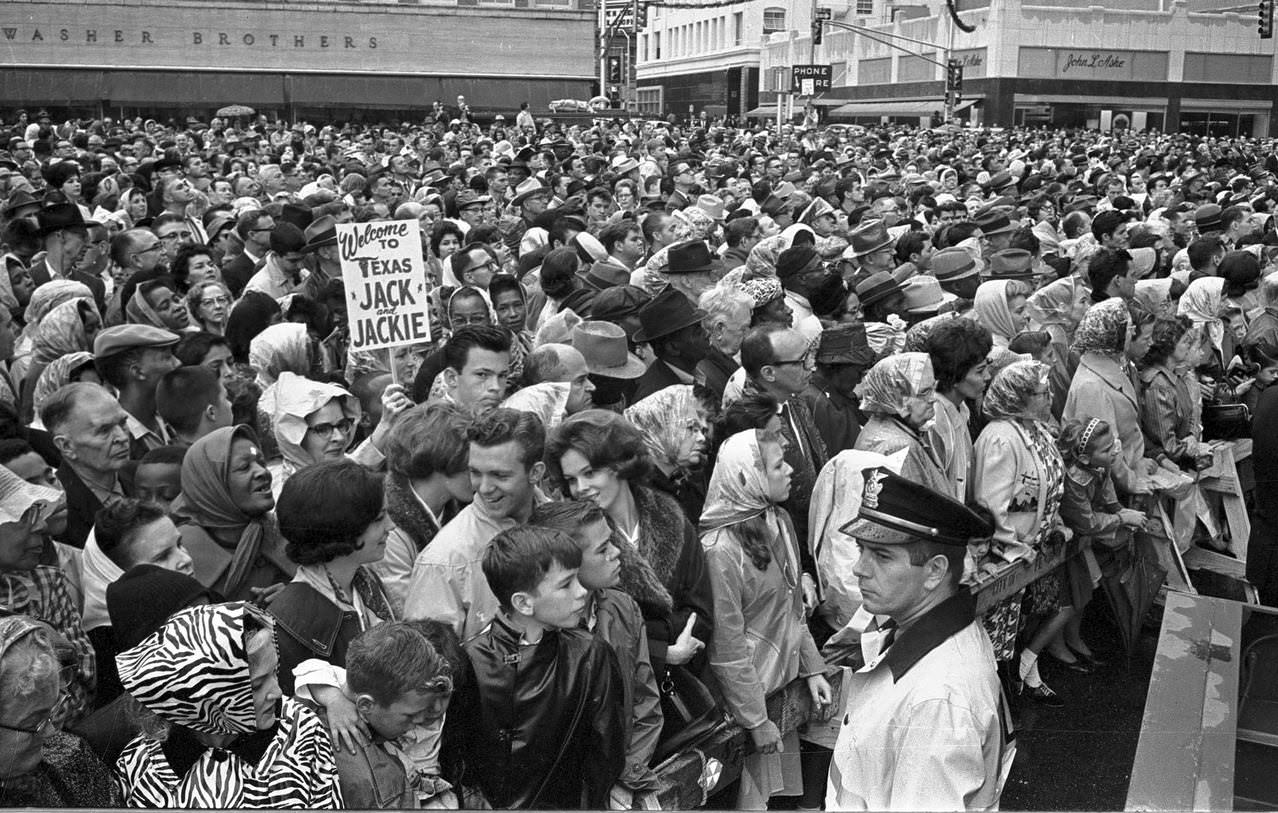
(667, 575)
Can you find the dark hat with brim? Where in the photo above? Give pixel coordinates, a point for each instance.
(60, 216)
(668, 313)
(898, 511)
(321, 233)
(602, 275)
(689, 258)
(879, 285)
(845, 343)
(1011, 263)
(20, 200)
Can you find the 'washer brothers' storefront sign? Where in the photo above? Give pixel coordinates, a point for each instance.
(118, 36)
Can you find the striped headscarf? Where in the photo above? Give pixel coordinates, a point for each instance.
(194, 670)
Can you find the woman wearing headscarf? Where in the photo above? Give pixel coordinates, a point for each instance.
(1000, 306)
(1019, 479)
(313, 421)
(1057, 308)
(158, 303)
(222, 734)
(896, 396)
(67, 328)
(333, 516)
(67, 369)
(1204, 305)
(41, 766)
(673, 426)
(761, 640)
(279, 348)
(44, 299)
(43, 591)
(1102, 388)
(225, 519)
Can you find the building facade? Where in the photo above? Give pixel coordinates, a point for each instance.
(1160, 64)
(125, 57)
(691, 62)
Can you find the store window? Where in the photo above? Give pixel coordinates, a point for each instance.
(648, 101)
(773, 20)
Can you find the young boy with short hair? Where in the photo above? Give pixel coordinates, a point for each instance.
(542, 725)
(615, 617)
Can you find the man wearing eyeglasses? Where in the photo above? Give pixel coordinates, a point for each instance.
(175, 194)
(254, 229)
(780, 361)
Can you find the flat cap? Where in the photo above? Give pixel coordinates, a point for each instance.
(113, 340)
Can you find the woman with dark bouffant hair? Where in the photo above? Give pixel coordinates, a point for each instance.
(333, 519)
(601, 457)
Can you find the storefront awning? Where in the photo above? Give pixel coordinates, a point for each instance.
(889, 108)
(34, 86)
(771, 109)
(402, 92)
(195, 88)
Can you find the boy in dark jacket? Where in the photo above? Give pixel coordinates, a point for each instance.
(543, 723)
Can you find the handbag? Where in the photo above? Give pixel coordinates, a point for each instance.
(689, 710)
(1226, 421)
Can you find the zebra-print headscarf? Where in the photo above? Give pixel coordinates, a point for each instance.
(194, 670)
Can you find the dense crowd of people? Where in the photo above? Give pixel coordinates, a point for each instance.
(709, 411)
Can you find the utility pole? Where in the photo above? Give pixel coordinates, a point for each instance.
(603, 46)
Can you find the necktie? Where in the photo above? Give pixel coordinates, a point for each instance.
(888, 628)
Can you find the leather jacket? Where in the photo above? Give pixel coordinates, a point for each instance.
(540, 725)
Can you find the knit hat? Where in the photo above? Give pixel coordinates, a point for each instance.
(141, 600)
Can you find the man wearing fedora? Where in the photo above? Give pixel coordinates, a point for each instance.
(672, 326)
(325, 262)
(614, 370)
(924, 727)
(958, 274)
(996, 231)
(64, 233)
(842, 357)
(870, 251)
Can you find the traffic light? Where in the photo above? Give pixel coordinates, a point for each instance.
(641, 16)
(614, 70)
(816, 29)
(954, 76)
(1266, 27)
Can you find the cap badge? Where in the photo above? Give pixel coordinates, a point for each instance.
(873, 485)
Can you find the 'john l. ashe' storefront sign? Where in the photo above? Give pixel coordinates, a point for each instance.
(1109, 65)
(136, 37)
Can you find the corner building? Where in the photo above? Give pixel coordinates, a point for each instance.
(1187, 65)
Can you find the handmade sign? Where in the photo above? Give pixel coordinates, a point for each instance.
(385, 281)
